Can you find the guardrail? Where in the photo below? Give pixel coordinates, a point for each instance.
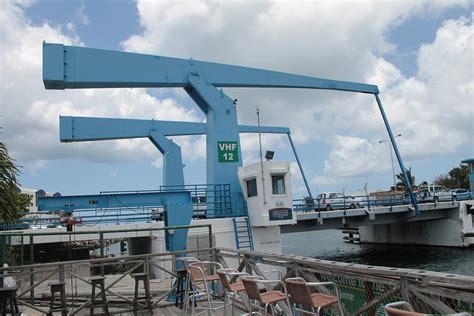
(373, 200)
(208, 201)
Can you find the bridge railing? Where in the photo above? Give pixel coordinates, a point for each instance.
(208, 201)
(382, 199)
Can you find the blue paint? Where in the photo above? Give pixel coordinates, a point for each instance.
(178, 206)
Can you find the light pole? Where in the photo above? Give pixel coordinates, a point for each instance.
(391, 157)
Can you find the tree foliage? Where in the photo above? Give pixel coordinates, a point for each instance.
(401, 184)
(11, 201)
(456, 178)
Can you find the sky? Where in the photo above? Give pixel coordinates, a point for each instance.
(419, 53)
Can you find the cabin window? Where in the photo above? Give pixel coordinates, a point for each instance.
(252, 187)
(278, 184)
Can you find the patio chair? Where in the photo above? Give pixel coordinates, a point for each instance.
(403, 308)
(231, 290)
(267, 299)
(400, 308)
(201, 283)
(299, 292)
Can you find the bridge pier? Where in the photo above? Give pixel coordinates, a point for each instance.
(454, 231)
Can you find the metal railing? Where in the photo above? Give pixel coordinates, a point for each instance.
(25, 241)
(208, 201)
(373, 200)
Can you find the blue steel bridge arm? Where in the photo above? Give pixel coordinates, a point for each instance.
(76, 128)
(72, 67)
(79, 129)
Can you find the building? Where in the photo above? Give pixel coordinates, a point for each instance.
(470, 165)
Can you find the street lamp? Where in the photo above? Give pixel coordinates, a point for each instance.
(391, 157)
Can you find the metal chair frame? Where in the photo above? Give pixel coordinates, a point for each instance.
(187, 282)
(318, 309)
(392, 309)
(261, 280)
(205, 289)
(228, 293)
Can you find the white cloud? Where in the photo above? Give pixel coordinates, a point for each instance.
(31, 113)
(81, 16)
(340, 40)
(433, 110)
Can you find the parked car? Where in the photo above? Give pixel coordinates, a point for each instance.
(461, 194)
(334, 200)
(433, 193)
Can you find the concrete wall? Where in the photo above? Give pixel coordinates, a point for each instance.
(449, 232)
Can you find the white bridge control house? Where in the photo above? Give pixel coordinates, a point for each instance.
(267, 190)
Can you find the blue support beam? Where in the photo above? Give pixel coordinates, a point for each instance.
(178, 206)
(397, 153)
(76, 129)
(72, 67)
(79, 129)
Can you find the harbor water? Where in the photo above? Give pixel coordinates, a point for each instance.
(328, 245)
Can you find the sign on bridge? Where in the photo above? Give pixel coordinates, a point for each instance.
(227, 151)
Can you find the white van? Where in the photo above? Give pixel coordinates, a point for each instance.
(433, 193)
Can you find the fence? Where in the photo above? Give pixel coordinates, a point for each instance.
(364, 289)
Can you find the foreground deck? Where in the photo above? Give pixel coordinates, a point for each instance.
(364, 289)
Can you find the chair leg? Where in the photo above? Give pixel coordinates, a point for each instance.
(51, 301)
(234, 298)
(91, 307)
(148, 294)
(63, 302)
(105, 306)
(135, 299)
(193, 300)
(339, 305)
(226, 297)
(186, 294)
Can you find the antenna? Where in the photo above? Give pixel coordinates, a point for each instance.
(261, 155)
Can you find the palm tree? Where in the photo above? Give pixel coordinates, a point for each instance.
(401, 184)
(11, 201)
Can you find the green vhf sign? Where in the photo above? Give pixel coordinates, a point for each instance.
(227, 152)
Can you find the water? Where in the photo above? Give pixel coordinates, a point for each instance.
(328, 245)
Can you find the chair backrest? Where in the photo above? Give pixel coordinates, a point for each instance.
(197, 271)
(400, 308)
(225, 282)
(298, 291)
(392, 311)
(251, 287)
